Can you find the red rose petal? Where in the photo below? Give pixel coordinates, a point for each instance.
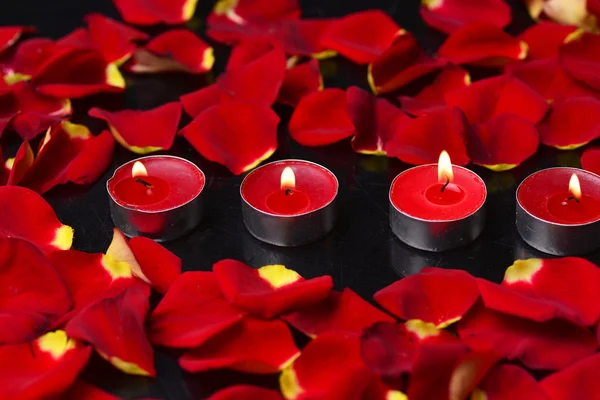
(590, 160)
(246, 392)
(490, 97)
(115, 327)
(361, 36)
(450, 15)
(143, 132)
(470, 370)
(508, 381)
(321, 119)
(423, 139)
(21, 327)
(253, 346)
(9, 35)
(482, 43)
(192, 311)
(249, 50)
(549, 345)
(300, 81)
(330, 367)
(266, 10)
(195, 102)
(24, 214)
(436, 295)
(345, 312)
(270, 290)
(580, 59)
(305, 37)
(578, 381)
(224, 134)
(503, 142)
(545, 38)
(28, 57)
(403, 62)
(572, 123)
(174, 50)
(42, 369)
(4, 169)
(376, 121)
(431, 97)
(20, 164)
(82, 390)
(115, 40)
(149, 12)
(158, 264)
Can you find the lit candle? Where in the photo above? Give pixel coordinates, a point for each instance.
(558, 211)
(437, 207)
(289, 202)
(157, 197)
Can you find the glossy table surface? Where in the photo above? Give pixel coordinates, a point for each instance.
(360, 253)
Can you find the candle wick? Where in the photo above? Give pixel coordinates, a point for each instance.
(143, 182)
(288, 192)
(573, 198)
(445, 184)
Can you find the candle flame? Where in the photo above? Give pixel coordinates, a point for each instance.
(445, 173)
(574, 187)
(138, 169)
(288, 179)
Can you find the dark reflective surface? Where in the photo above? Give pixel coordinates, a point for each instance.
(360, 253)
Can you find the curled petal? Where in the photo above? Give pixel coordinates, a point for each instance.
(195, 102)
(503, 142)
(300, 81)
(577, 381)
(237, 392)
(376, 121)
(580, 59)
(270, 290)
(450, 15)
(482, 43)
(174, 50)
(345, 312)
(20, 164)
(150, 12)
(422, 143)
(143, 132)
(45, 368)
(83, 390)
(249, 50)
(114, 39)
(572, 123)
(29, 56)
(545, 38)
(115, 327)
(403, 62)
(436, 295)
(253, 346)
(362, 36)
(237, 134)
(590, 160)
(9, 35)
(508, 381)
(24, 214)
(321, 118)
(159, 265)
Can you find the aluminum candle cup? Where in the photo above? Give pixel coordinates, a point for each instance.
(158, 197)
(289, 202)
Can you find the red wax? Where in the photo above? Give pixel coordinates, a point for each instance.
(416, 192)
(316, 187)
(545, 195)
(174, 182)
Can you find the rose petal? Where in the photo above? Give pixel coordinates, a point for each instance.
(545, 38)
(508, 382)
(9, 35)
(158, 264)
(572, 123)
(580, 59)
(578, 381)
(590, 160)
(24, 214)
(550, 345)
(482, 43)
(470, 370)
(174, 50)
(572, 12)
(196, 102)
(403, 62)
(22, 326)
(115, 40)
(253, 346)
(192, 311)
(321, 119)
(5, 167)
(490, 97)
(431, 97)
(143, 132)
(237, 392)
(503, 142)
(270, 290)
(330, 367)
(224, 134)
(423, 139)
(150, 12)
(115, 327)
(449, 15)
(340, 311)
(43, 369)
(28, 56)
(300, 81)
(249, 50)
(20, 164)
(375, 120)
(436, 295)
(305, 37)
(82, 390)
(362, 36)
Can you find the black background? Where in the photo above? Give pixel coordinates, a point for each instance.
(360, 253)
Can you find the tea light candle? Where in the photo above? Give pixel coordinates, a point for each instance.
(289, 202)
(157, 197)
(558, 211)
(437, 207)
